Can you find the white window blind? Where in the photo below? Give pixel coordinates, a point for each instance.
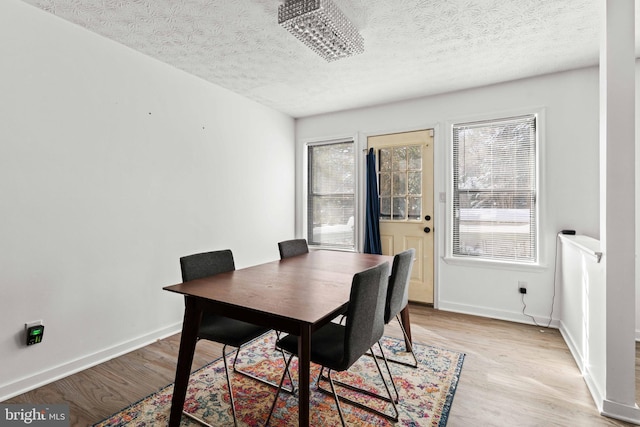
(331, 194)
(494, 189)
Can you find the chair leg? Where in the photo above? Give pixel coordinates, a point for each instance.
(196, 419)
(386, 364)
(409, 347)
(246, 374)
(275, 399)
(395, 409)
(389, 398)
(337, 399)
(226, 372)
(233, 407)
(396, 399)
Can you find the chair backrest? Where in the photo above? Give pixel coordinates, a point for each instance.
(398, 290)
(289, 248)
(365, 314)
(206, 264)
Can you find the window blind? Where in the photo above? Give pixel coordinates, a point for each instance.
(331, 194)
(494, 189)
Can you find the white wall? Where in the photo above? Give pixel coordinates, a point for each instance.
(570, 179)
(112, 166)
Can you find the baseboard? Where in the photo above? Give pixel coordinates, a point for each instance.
(630, 414)
(573, 348)
(510, 316)
(608, 408)
(605, 407)
(26, 384)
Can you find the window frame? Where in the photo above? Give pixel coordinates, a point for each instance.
(392, 195)
(306, 191)
(540, 257)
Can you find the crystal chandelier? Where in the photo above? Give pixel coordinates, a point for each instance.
(321, 26)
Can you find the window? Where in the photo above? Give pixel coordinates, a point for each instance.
(331, 194)
(400, 185)
(495, 190)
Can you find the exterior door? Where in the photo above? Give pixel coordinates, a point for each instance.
(405, 187)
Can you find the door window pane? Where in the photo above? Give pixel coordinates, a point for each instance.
(385, 159)
(385, 184)
(400, 183)
(399, 159)
(414, 157)
(399, 208)
(415, 183)
(415, 208)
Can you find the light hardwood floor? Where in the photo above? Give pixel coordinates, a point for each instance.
(513, 375)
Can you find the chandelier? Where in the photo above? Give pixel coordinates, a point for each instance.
(321, 26)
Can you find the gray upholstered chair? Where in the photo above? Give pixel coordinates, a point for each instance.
(289, 248)
(220, 329)
(398, 296)
(396, 300)
(337, 347)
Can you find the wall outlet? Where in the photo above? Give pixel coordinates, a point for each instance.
(522, 287)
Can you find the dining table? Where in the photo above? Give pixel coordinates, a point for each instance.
(295, 295)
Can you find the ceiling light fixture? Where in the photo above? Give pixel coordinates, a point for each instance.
(321, 26)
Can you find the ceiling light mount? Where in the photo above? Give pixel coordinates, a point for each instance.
(322, 27)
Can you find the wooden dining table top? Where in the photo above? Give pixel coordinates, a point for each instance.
(305, 288)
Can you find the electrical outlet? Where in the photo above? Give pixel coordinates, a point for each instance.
(522, 287)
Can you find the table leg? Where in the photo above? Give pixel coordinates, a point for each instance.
(188, 339)
(304, 371)
(406, 323)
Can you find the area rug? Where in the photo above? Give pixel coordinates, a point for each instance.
(426, 393)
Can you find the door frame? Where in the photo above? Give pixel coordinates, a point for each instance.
(439, 206)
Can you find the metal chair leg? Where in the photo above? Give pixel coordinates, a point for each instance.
(389, 398)
(337, 399)
(409, 349)
(386, 364)
(396, 399)
(196, 419)
(226, 372)
(275, 399)
(233, 407)
(247, 374)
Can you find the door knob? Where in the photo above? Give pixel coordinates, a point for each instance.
(427, 230)
(427, 218)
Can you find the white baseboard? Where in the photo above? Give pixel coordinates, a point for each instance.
(510, 316)
(628, 413)
(573, 347)
(605, 407)
(29, 383)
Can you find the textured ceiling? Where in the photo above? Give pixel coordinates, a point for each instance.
(412, 47)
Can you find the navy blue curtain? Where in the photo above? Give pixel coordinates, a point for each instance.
(372, 243)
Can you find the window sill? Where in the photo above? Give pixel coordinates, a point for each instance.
(330, 248)
(501, 265)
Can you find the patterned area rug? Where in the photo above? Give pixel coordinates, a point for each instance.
(426, 392)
